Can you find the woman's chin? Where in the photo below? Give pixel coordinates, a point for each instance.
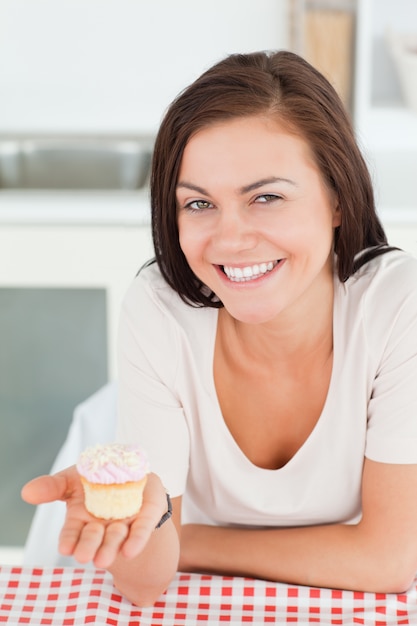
(251, 314)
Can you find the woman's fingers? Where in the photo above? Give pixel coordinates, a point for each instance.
(93, 541)
(153, 508)
(70, 534)
(113, 539)
(139, 534)
(101, 541)
(45, 489)
(60, 486)
(89, 541)
(143, 526)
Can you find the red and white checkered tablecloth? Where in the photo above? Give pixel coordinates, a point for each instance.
(73, 596)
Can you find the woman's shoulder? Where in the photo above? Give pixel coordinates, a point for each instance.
(149, 299)
(149, 290)
(382, 294)
(392, 272)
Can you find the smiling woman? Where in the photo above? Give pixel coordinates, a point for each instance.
(262, 204)
(277, 331)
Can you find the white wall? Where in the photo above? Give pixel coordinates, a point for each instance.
(114, 65)
(103, 66)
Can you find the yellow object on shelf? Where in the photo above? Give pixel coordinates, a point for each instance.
(328, 45)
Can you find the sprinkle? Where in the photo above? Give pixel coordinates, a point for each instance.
(116, 454)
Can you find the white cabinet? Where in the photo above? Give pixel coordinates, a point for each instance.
(97, 257)
(386, 127)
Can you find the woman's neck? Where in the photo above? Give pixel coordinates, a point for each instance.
(294, 336)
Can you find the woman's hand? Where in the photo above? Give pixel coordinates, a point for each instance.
(88, 538)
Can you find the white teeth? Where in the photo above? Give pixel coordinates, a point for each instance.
(250, 272)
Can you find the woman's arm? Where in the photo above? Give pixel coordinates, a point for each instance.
(142, 559)
(378, 554)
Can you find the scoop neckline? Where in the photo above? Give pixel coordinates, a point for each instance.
(218, 415)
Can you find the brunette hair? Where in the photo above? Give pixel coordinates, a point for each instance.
(283, 85)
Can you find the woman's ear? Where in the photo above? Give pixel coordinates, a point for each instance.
(337, 214)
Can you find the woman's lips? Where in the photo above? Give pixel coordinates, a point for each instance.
(247, 273)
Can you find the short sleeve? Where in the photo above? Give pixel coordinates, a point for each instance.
(149, 411)
(392, 410)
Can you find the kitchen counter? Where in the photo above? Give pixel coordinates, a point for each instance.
(39, 207)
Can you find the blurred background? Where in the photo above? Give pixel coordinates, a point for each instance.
(83, 87)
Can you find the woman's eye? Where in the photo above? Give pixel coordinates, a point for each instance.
(198, 205)
(267, 197)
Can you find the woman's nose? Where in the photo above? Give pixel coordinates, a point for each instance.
(234, 230)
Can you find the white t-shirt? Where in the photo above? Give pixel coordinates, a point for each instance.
(168, 402)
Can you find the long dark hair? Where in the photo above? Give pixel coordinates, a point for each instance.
(283, 85)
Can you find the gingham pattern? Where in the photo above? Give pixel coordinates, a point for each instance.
(68, 597)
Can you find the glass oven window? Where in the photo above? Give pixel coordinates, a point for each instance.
(53, 355)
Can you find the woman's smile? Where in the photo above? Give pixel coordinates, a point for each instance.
(248, 272)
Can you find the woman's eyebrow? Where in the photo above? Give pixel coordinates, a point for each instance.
(266, 181)
(242, 190)
(185, 185)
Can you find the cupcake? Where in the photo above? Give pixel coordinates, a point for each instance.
(114, 477)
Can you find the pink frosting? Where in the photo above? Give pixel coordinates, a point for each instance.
(113, 463)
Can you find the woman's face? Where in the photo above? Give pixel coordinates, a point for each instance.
(255, 218)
